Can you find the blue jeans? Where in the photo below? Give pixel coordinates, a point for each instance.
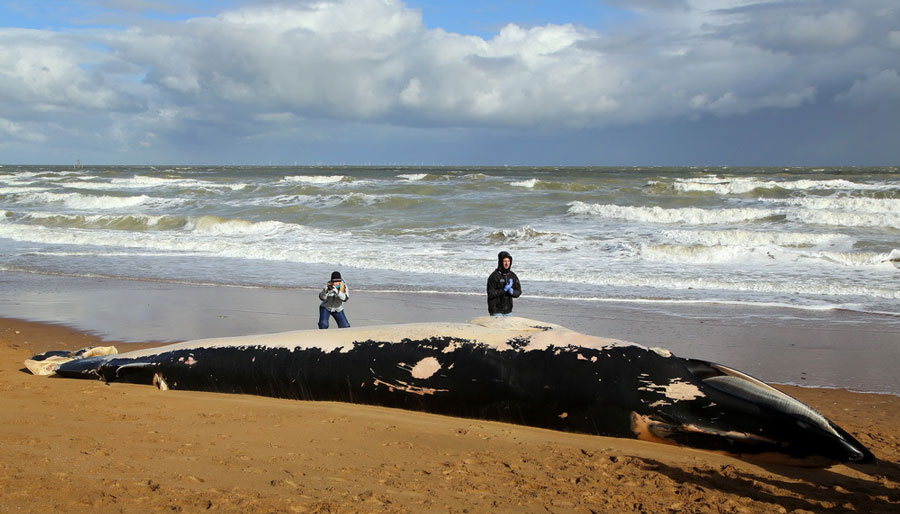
(339, 316)
(501, 314)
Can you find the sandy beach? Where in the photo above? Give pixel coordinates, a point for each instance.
(85, 446)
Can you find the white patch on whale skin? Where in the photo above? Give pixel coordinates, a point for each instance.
(408, 388)
(490, 332)
(661, 352)
(676, 390)
(425, 368)
(160, 382)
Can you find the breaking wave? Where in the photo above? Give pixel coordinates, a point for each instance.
(741, 185)
(689, 215)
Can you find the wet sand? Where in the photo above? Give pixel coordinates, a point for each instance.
(85, 446)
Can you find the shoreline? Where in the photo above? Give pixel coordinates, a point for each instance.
(85, 446)
(821, 349)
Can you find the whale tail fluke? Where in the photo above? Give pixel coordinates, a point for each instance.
(47, 363)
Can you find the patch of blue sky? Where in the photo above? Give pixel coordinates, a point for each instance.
(470, 17)
(485, 19)
(58, 15)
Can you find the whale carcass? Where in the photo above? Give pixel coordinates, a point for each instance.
(510, 369)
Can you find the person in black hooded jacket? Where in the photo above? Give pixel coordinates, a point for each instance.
(502, 286)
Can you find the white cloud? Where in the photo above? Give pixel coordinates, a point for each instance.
(374, 61)
(44, 72)
(10, 130)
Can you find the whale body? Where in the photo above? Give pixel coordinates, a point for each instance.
(508, 369)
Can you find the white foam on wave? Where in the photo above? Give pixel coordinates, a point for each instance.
(20, 189)
(741, 254)
(213, 237)
(725, 283)
(526, 234)
(413, 177)
(689, 215)
(855, 259)
(314, 179)
(742, 185)
(216, 226)
(143, 182)
(750, 238)
(107, 221)
(846, 219)
(693, 254)
(530, 183)
(78, 201)
(894, 258)
(19, 178)
(328, 201)
(852, 204)
(206, 235)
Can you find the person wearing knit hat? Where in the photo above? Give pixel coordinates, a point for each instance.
(333, 297)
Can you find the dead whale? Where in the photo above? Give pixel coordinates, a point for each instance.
(511, 370)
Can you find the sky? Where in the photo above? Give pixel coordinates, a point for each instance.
(391, 82)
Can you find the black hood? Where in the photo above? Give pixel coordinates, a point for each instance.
(500, 257)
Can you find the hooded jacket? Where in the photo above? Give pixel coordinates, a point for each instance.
(499, 301)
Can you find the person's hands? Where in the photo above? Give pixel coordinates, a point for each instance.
(509, 287)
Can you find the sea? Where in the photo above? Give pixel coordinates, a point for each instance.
(801, 239)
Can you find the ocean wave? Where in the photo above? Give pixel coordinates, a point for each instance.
(852, 204)
(316, 179)
(206, 235)
(894, 257)
(732, 283)
(846, 219)
(744, 185)
(688, 215)
(525, 234)
(15, 190)
(78, 201)
(749, 238)
(413, 177)
(217, 237)
(855, 259)
(693, 254)
(143, 182)
(133, 222)
(218, 226)
(552, 185)
(740, 254)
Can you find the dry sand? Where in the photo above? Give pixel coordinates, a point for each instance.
(85, 446)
